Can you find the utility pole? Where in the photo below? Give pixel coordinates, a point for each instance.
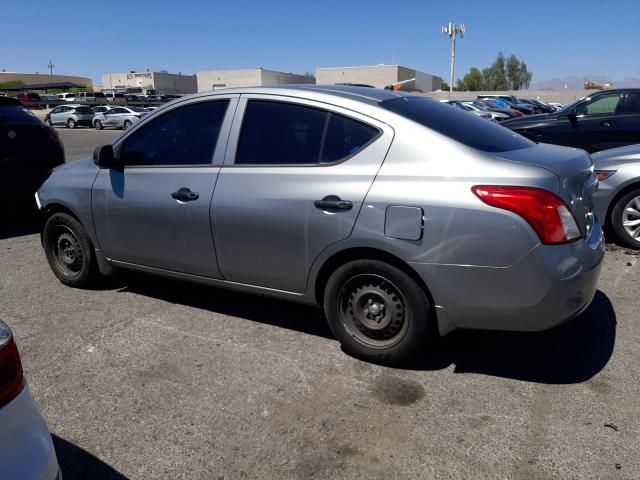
(51, 67)
(452, 31)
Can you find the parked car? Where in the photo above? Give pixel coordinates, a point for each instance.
(171, 96)
(50, 101)
(467, 108)
(28, 151)
(556, 105)
(544, 107)
(153, 98)
(494, 107)
(71, 116)
(510, 101)
(26, 448)
(69, 97)
(91, 97)
(603, 120)
(119, 117)
(338, 196)
(495, 115)
(30, 99)
(617, 201)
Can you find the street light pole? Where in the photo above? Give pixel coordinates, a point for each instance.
(452, 31)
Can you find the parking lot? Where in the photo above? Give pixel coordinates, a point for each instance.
(151, 378)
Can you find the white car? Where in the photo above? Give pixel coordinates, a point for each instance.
(119, 117)
(67, 97)
(26, 448)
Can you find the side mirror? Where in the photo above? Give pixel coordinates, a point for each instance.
(572, 115)
(103, 157)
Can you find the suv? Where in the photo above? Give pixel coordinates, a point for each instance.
(71, 116)
(603, 120)
(67, 96)
(91, 97)
(28, 151)
(338, 196)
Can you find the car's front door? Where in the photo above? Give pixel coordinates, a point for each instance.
(295, 177)
(596, 125)
(56, 115)
(154, 212)
(111, 116)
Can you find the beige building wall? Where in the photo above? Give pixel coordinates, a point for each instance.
(35, 78)
(162, 82)
(248, 77)
(378, 76)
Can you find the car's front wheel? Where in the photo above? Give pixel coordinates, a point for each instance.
(71, 123)
(69, 250)
(625, 219)
(378, 312)
(127, 124)
(98, 125)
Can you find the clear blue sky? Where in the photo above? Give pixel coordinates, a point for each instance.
(555, 38)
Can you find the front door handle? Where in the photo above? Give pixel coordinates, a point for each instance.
(606, 123)
(185, 195)
(333, 203)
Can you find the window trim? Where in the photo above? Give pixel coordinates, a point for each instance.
(221, 143)
(238, 123)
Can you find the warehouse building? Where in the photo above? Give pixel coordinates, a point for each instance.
(40, 79)
(248, 77)
(148, 83)
(380, 76)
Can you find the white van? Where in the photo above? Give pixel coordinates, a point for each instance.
(67, 97)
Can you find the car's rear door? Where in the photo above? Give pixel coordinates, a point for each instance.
(154, 212)
(294, 180)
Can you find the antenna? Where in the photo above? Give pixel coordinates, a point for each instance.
(452, 31)
(51, 67)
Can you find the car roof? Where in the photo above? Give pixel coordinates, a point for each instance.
(371, 96)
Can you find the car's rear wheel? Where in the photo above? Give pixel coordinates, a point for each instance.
(71, 123)
(98, 125)
(625, 219)
(69, 250)
(127, 124)
(48, 121)
(378, 312)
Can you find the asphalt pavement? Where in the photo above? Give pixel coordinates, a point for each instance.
(149, 378)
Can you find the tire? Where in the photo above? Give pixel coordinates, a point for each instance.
(48, 122)
(69, 251)
(127, 124)
(399, 327)
(98, 125)
(627, 211)
(71, 123)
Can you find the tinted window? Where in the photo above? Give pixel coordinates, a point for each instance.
(83, 110)
(602, 105)
(276, 133)
(629, 103)
(184, 136)
(458, 125)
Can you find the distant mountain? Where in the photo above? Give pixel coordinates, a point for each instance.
(575, 82)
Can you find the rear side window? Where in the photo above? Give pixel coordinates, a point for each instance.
(279, 133)
(184, 136)
(83, 110)
(463, 127)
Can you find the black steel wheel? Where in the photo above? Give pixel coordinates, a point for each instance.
(69, 250)
(378, 312)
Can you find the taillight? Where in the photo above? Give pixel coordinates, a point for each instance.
(11, 378)
(547, 213)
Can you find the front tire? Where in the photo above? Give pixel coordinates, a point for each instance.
(71, 123)
(378, 312)
(98, 125)
(625, 219)
(127, 124)
(69, 250)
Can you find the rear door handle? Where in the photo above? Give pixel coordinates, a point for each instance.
(185, 195)
(333, 203)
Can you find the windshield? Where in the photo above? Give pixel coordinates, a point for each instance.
(456, 124)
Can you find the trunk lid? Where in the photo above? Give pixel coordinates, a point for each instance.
(574, 169)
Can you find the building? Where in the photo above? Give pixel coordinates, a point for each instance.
(41, 81)
(146, 83)
(380, 76)
(248, 77)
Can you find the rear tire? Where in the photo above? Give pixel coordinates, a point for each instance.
(127, 124)
(378, 312)
(69, 251)
(71, 123)
(624, 215)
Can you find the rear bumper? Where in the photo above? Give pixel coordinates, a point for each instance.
(26, 448)
(547, 287)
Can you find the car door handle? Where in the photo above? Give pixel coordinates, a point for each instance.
(333, 202)
(606, 123)
(185, 195)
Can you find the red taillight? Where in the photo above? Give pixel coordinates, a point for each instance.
(11, 378)
(547, 213)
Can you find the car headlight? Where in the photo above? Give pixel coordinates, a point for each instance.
(603, 174)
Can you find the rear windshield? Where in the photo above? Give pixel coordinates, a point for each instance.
(99, 95)
(83, 110)
(16, 114)
(457, 124)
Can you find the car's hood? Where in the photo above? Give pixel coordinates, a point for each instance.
(611, 159)
(530, 120)
(78, 165)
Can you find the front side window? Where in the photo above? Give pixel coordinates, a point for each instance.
(183, 136)
(602, 105)
(278, 133)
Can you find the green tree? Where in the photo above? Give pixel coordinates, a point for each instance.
(525, 76)
(495, 77)
(444, 86)
(472, 81)
(513, 72)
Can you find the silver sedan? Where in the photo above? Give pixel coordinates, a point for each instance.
(119, 117)
(617, 201)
